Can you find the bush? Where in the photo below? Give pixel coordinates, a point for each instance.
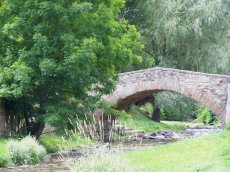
(205, 116)
(4, 160)
(102, 160)
(26, 151)
(124, 116)
(147, 108)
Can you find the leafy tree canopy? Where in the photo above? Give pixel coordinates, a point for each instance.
(53, 53)
(184, 34)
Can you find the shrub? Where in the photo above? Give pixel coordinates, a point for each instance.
(205, 116)
(147, 108)
(4, 160)
(124, 116)
(102, 160)
(26, 151)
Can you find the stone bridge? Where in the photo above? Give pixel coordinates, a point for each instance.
(211, 90)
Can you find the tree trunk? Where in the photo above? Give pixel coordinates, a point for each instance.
(37, 129)
(156, 114)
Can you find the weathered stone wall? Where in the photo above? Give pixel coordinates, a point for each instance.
(209, 89)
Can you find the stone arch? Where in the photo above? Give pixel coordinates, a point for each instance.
(205, 98)
(207, 89)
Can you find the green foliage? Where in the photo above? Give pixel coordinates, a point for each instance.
(110, 109)
(26, 151)
(186, 34)
(51, 143)
(176, 107)
(54, 54)
(163, 115)
(124, 116)
(205, 116)
(4, 160)
(62, 113)
(147, 108)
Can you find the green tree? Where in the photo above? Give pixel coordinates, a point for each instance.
(176, 107)
(53, 54)
(185, 34)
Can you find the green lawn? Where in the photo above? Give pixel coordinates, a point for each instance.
(209, 153)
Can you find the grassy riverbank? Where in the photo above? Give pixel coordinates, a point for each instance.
(206, 153)
(140, 122)
(54, 143)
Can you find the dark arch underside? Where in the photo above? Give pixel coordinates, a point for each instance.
(134, 98)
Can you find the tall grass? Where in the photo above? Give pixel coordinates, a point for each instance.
(99, 158)
(54, 142)
(25, 151)
(102, 160)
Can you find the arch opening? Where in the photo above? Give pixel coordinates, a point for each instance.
(138, 96)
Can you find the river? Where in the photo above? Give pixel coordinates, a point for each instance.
(59, 162)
